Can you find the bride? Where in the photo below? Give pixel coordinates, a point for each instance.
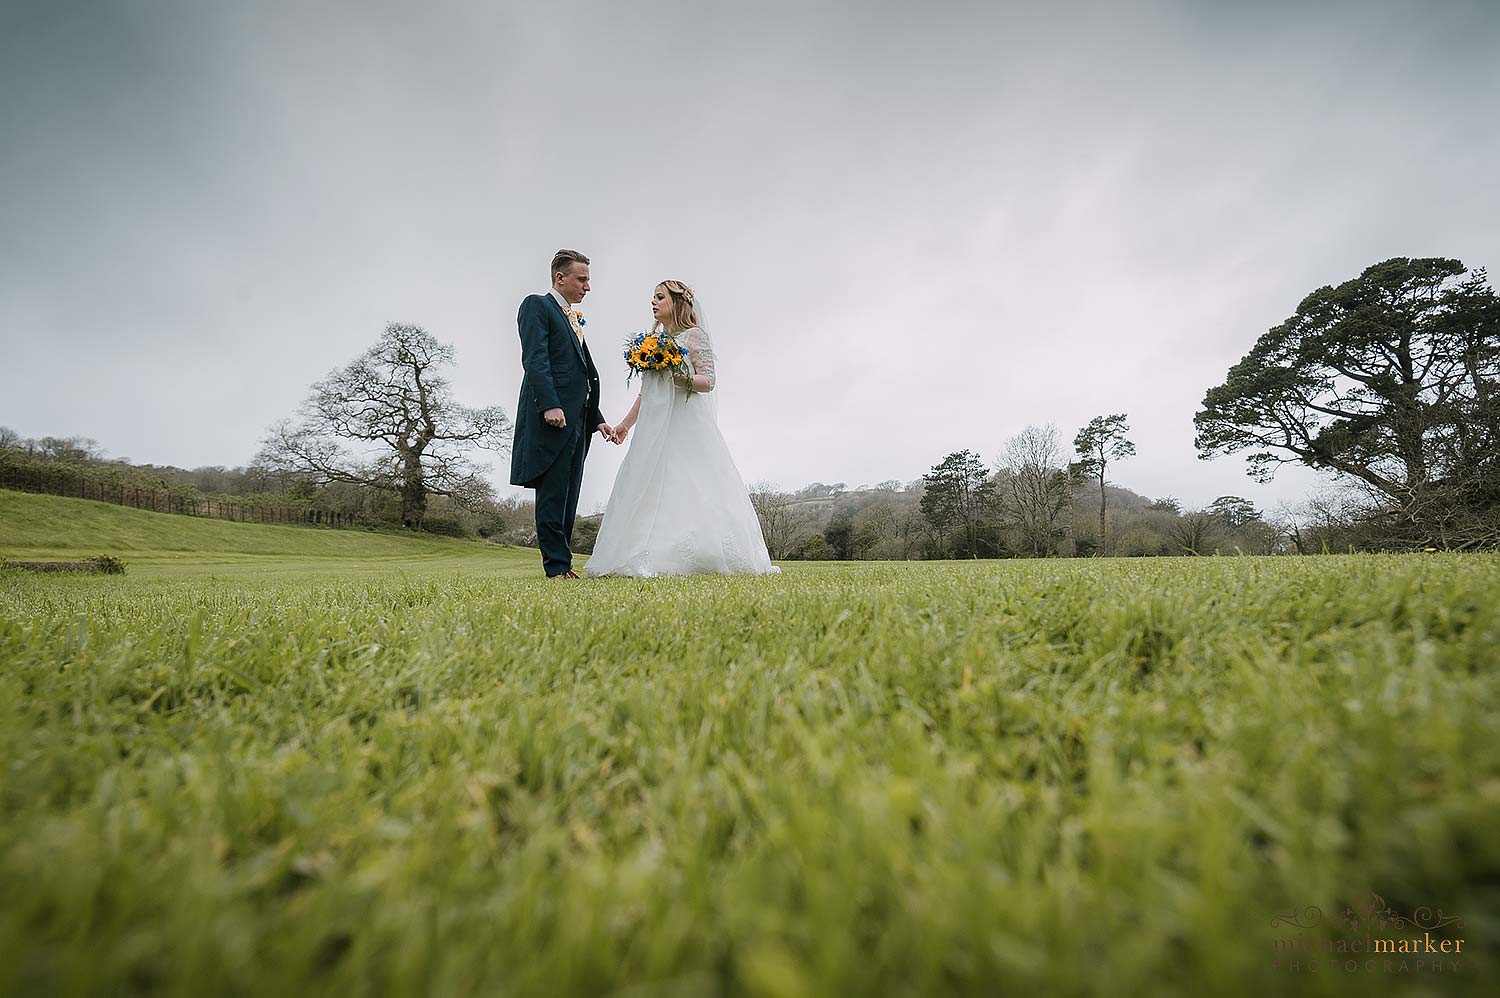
(678, 506)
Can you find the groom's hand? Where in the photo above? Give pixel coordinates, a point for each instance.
(555, 417)
(607, 432)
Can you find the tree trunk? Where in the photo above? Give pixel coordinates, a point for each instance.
(413, 493)
(1103, 545)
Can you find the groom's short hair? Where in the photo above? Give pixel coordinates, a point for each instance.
(563, 260)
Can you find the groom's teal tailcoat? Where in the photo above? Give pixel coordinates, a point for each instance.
(560, 374)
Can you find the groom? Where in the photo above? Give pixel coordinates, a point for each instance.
(559, 408)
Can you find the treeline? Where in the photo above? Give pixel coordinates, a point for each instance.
(1030, 502)
(79, 467)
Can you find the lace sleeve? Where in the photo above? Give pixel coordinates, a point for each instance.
(700, 354)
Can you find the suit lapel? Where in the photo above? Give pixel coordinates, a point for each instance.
(577, 345)
(588, 361)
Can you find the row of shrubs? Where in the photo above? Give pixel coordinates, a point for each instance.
(104, 564)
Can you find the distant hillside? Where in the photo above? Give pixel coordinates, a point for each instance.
(42, 527)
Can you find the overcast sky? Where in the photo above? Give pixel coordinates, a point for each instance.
(917, 227)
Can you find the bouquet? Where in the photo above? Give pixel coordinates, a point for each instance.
(654, 352)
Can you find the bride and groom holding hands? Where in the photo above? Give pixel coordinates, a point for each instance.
(678, 506)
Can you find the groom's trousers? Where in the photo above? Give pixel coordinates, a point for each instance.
(557, 505)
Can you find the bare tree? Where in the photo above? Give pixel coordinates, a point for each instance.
(910, 531)
(81, 450)
(1035, 489)
(393, 405)
(874, 527)
(1265, 535)
(9, 439)
(779, 523)
(1195, 531)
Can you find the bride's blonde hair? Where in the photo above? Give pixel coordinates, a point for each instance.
(684, 315)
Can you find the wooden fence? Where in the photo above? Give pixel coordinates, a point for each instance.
(67, 482)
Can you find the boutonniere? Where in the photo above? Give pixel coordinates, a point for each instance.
(579, 316)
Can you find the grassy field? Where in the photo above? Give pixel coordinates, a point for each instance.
(438, 774)
(159, 544)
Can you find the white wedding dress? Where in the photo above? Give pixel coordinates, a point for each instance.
(679, 506)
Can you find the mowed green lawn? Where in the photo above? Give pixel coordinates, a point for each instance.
(1089, 777)
(34, 527)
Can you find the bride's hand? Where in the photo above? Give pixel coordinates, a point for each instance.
(621, 432)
